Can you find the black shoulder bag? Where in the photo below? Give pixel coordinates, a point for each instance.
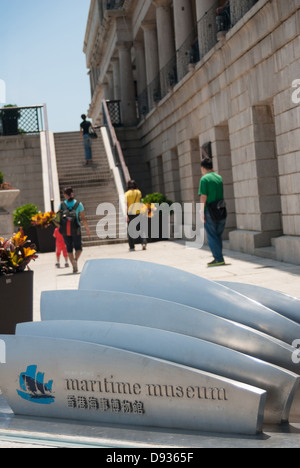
(217, 210)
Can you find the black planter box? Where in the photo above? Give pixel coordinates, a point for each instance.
(31, 233)
(16, 299)
(160, 229)
(42, 238)
(46, 241)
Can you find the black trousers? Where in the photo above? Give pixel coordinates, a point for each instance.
(141, 239)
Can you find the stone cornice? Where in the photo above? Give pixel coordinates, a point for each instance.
(89, 24)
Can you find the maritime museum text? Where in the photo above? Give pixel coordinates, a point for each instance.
(150, 390)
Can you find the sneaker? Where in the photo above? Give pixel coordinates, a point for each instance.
(57, 265)
(215, 263)
(144, 247)
(75, 266)
(67, 265)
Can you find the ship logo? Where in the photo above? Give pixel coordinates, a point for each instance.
(34, 389)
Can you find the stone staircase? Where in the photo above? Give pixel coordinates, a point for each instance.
(92, 185)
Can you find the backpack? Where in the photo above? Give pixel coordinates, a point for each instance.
(69, 225)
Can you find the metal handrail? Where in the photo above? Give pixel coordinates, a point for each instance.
(115, 144)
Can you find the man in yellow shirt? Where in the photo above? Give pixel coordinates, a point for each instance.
(133, 202)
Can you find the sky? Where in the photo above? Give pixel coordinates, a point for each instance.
(42, 59)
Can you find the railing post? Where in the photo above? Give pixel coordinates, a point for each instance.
(51, 190)
(115, 144)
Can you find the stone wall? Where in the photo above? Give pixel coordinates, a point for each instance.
(21, 164)
(239, 97)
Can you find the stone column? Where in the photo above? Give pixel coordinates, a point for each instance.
(141, 78)
(110, 82)
(255, 178)
(206, 23)
(239, 8)
(128, 101)
(184, 37)
(152, 62)
(104, 89)
(166, 45)
(140, 66)
(116, 77)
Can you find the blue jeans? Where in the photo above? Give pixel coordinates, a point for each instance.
(87, 147)
(214, 233)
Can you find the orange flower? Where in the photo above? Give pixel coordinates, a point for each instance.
(43, 219)
(148, 209)
(29, 252)
(19, 239)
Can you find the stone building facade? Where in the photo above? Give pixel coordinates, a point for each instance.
(192, 81)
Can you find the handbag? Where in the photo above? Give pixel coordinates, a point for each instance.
(217, 210)
(92, 133)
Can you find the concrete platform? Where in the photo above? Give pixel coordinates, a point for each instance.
(20, 432)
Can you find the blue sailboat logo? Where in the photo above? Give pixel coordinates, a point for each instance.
(34, 389)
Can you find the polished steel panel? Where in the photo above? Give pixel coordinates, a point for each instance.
(156, 313)
(284, 304)
(280, 385)
(68, 379)
(168, 283)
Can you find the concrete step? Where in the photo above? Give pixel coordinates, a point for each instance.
(92, 185)
(266, 252)
(103, 242)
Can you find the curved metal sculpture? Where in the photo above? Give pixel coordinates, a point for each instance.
(151, 312)
(99, 383)
(279, 384)
(155, 347)
(284, 304)
(178, 286)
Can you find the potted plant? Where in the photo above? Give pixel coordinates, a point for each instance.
(43, 223)
(16, 284)
(7, 197)
(22, 219)
(10, 115)
(152, 203)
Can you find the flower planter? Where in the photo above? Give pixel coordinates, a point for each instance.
(16, 293)
(160, 228)
(42, 238)
(46, 241)
(7, 198)
(31, 233)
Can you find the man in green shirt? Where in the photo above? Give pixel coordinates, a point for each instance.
(210, 191)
